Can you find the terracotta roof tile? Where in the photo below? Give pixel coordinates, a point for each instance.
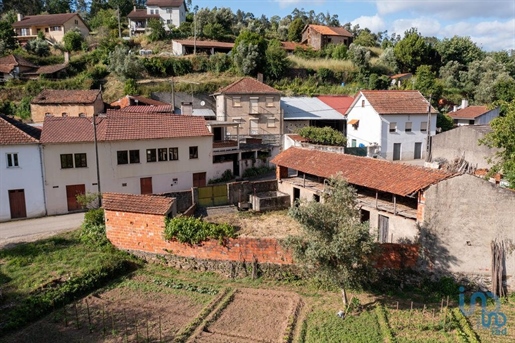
(142, 14)
(51, 96)
(165, 3)
(205, 43)
(148, 109)
(396, 178)
(15, 60)
(470, 112)
(14, 132)
(50, 69)
(340, 103)
(291, 46)
(248, 85)
(298, 138)
(331, 30)
(137, 203)
(118, 126)
(397, 102)
(44, 20)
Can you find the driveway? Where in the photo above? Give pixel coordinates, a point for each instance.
(29, 230)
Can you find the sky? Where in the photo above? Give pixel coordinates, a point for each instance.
(490, 24)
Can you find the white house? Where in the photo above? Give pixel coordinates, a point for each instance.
(21, 178)
(473, 115)
(170, 12)
(138, 153)
(391, 124)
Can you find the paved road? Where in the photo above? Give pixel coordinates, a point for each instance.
(29, 230)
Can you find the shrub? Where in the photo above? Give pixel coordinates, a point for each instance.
(192, 230)
(323, 135)
(256, 171)
(226, 176)
(218, 63)
(73, 40)
(93, 230)
(94, 217)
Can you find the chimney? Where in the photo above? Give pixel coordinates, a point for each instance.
(464, 103)
(19, 16)
(454, 108)
(66, 57)
(186, 108)
(260, 77)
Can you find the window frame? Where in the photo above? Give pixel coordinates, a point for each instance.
(270, 122)
(162, 154)
(80, 160)
(151, 155)
(193, 152)
(12, 160)
(66, 161)
(254, 105)
(394, 124)
(423, 126)
(133, 160)
(270, 101)
(410, 128)
(173, 154)
(236, 101)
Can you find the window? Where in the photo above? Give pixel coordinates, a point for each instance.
(12, 160)
(64, 114)
(162, 154)
(236, 102)
(423, 126)
(193, 152)
(122, 157)
(270, 122)
(174, 154)
(66, 161)
(151, 155)
(133, 156)
(168, 10)
(55, 28)
(362, 103)
(393, 127)
(240, 121)
(82, 115)
(270, 101)
(80, 161)
(48, 114)
(353, 143)
(408, 126)
(76, 22)
(25, 32)
(254, 105)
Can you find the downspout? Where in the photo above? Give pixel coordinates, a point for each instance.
(41, 163)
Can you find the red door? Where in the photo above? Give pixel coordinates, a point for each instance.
(146, 185)
(17, 203)
(71, 196)
(199, 179)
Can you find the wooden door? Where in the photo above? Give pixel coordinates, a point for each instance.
(396, 151)
(199, 179)
(383, 229)
(17, 203)
(71, 196)
(146, 185)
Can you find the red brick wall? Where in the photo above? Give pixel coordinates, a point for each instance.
(397, 256)
(421, 207)
(144, 232)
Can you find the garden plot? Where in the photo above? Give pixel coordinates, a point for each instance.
(253, 315)
(132, 312)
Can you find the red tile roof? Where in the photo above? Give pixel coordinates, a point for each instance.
(50, 69)
(148, 109)
(205, 43)
(142, 14)
(340, 103)
(248, 85)
(165, 3)
(397, 102)
(330, 30)
(14, 132)
(51, 96)
(118, 126)
(471, 112)
(45, 20)
(291, 46)
(298, 138)
(396, 178)
(137, 203)
(15, 60)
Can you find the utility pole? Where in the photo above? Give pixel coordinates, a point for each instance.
(428, 139)
(195, 32)
(173, 97)
(95, 116)
(119, 24)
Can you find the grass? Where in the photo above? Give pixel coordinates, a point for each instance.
(315, 64)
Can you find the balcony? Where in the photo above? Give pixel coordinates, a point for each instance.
(225, 145)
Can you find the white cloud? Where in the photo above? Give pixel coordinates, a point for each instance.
(450, 9)
(490, 35)
(373, 23)
(427, 27)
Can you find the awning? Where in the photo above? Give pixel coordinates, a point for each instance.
(354, 121)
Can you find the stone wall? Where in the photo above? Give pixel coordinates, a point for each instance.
(462, 216)
(240, 191)
(183, 199)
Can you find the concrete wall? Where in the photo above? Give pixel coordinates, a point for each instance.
(217, 169)
(462, 216)
(462, 142)
(400, 229)
(27, 176)
(240, 191)
(38, 112)
(183, 199)
(169, 15)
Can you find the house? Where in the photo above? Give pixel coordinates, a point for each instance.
(392, 124)
(21, 178)
(144, 153)
(255, 106)
(54, 26)
(299, 112)
(405, 203)
(189, 46)
(318, 36)
(16, 67)
(473, 115)
(462, 142)
(170, 12)
(397, 79)
(66, 103)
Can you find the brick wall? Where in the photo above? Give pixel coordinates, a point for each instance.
(144, 232)
(398, 256)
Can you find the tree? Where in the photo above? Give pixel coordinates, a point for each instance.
(7, 36)
(73, 40)
(249, 52)
(387, 59)
(426, 82)
(124, 64)
(360, 56)
(157, 31)
(459, 49)
(411, 51)
(502, 137)
(277, 62)
(444, 122)
(57, 6)
(295, 30)
(365, 38)
(38, 46)
(334, 244)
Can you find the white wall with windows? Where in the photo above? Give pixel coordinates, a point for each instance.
(20, 169)
(169, 15)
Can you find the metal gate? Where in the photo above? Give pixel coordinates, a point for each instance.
(213, 196)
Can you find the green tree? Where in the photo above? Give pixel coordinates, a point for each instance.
(459, 49)
(502, 137)
(157, 31)
(104, 18)
(277, 62)
(323, 135)
(360, 56)
(365, 38)
(387, 59)
(23, 108)
(7, 36)
(295, 30)
(411, 51)
(124, 64)
(340, 52)
(249, 53)
(130, 87)
(38, 46)
(57, 6)
(73, 40)
(444, 122)
(334, 245)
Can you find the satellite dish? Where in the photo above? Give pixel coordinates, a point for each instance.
(202, 103)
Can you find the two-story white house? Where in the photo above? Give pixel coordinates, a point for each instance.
(138, 153)
(21, 178)
(170, 12)
(392, 124)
